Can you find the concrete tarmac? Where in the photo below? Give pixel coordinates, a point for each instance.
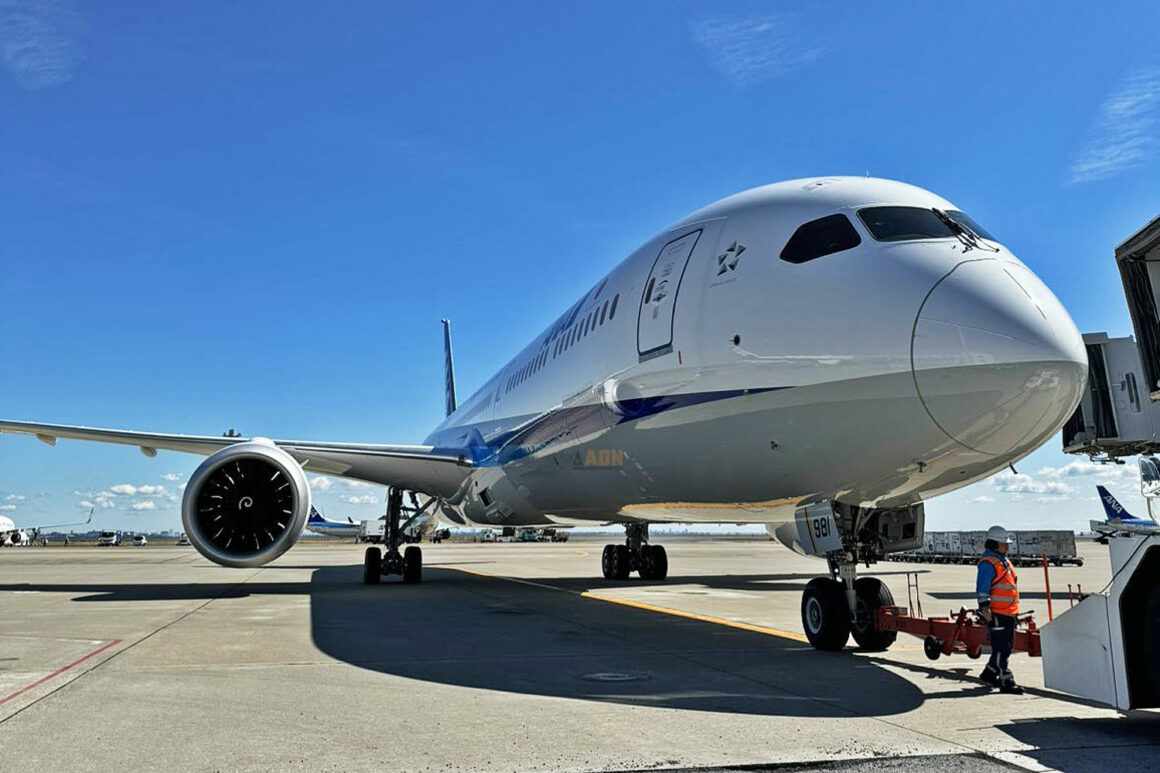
(506, 657)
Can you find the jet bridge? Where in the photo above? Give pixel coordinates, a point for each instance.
(1119, 414)
(1138, 259)
(1116, 417)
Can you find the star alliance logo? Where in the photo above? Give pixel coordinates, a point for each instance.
(728, 260)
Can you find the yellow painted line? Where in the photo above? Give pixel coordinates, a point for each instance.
(767, 631)
(791, 635)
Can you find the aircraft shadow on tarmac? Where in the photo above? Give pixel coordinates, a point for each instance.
(464, 630)
(485, 633)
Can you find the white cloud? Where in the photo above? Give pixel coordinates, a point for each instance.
(15, 498)
(131, 490)
(753, 49)
(365, 499)
(172, 477)
(146, 504)
(983, 499)
(321, 483)
(102, 499)
(1009, 483)
(39, 41)
(1125, 132)
(7, 508)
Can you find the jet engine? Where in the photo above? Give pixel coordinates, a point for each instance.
(246, 504)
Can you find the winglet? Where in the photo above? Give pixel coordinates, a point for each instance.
(448, 367)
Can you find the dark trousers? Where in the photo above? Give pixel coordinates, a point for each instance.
(1002, 632)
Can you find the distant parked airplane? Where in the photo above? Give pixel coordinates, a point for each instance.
(12, 535)
(1117, 514)
(319, 524)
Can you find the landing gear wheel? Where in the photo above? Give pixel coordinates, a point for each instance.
(372, 566)
(654, 562)
(932, 647)
(606, 562)
(825, 614)
(621, 563)
(872, 595)
(413, 564)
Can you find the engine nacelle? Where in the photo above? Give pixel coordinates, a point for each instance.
(246, 504)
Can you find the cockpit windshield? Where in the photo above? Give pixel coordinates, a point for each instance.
(900, 224)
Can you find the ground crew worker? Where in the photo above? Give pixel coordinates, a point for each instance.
(998, 591)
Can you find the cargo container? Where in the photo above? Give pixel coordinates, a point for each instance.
(1028, 547)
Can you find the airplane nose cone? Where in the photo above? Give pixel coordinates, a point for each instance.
(998, 363)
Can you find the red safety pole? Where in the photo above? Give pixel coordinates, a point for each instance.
(1047, 585)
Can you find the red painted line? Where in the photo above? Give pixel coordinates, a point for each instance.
(60, 670)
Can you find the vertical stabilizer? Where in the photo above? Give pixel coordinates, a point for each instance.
(1112, 507)
(448, 367)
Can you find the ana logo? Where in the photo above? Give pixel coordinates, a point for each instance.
(603, 457)
(1112, 503)
(727, 261)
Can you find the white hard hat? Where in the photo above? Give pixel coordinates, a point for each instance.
(998, 534)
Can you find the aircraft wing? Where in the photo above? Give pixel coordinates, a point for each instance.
(436, 471)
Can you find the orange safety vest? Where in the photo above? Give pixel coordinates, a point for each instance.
(1004, 587)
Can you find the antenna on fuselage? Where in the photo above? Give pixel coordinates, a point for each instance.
(448, 367)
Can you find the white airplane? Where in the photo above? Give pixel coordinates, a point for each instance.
(820, 355)
(12, 535)
(320, 524)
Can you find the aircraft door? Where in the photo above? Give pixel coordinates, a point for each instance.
(654, 329)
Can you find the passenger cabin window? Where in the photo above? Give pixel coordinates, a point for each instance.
(823, 236)
(901, 224)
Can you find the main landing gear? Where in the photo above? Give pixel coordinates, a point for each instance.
(837, 606)
(409, 564)
(636, 555)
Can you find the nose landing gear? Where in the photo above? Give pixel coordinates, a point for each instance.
(833, 609)
(650, 561)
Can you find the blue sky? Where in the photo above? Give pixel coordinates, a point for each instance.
(254, 215)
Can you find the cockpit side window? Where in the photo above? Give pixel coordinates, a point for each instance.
(901, 224)
(823, 236)
(963, 219)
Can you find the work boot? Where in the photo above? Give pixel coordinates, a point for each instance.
(1010, 688)
(989, 677)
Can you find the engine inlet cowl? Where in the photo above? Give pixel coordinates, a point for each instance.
(246, 504)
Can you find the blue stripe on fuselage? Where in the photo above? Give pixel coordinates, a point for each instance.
(501, 441)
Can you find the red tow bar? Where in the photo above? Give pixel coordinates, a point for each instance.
(965, 632)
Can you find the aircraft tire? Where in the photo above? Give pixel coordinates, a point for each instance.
(606, 560)
(621, 562)
(825, 614)
(654, 562)
(372, 566)
(413, 564)
(872, 595)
